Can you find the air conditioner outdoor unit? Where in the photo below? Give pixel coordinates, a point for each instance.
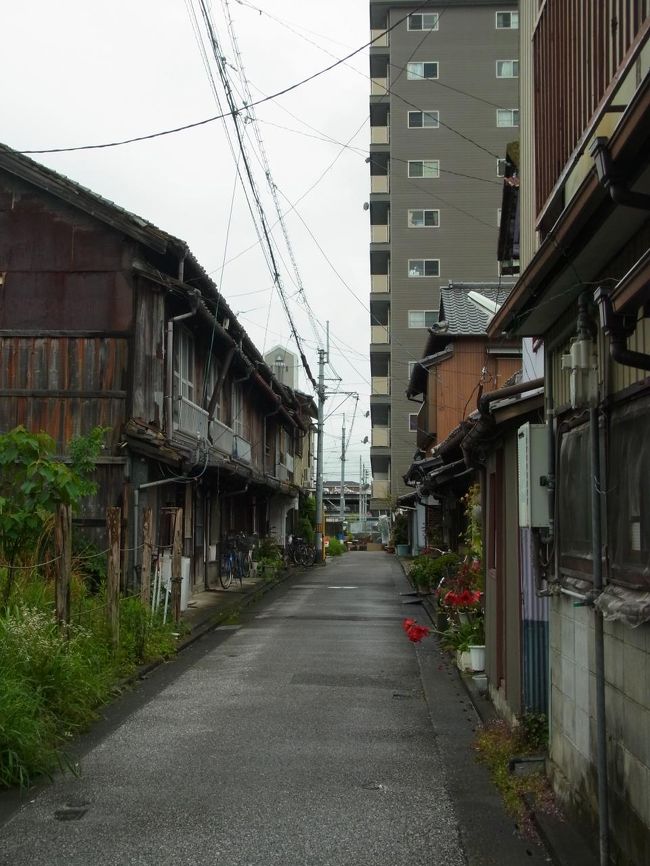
(532, 453)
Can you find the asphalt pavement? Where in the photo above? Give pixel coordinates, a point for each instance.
(311, 732)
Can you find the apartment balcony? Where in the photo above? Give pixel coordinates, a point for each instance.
(379, 234)
(380, 38)
(379, 135)
(380, 334)
(380, 283)
(381, 489)
(380, 437)
(380, 385)
(190, 418)
(242, 449)
(220, 436)
(378, 86)
(379, 183)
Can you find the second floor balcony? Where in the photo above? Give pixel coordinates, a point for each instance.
(380, 489)
(380, 437)
(380, 283)
(380, 334)
(380, 385)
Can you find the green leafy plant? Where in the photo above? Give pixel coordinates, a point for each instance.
(496, 745)
(335, 547)
(426, 571)
(33, 482)
(400, 529)
(307, 518)
(459, 637)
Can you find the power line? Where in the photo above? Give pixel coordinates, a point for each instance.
(234, 111)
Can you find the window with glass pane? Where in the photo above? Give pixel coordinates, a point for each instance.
(501, 167)
(419, 70)
(507, 69)
(423, 21)
(424, 168)
(419, 218)
(424, 268)
(413, 422)
(423, 119)
(507, 20)
(422, 318)
(507, 117)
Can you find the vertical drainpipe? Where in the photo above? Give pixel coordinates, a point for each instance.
(599, 641)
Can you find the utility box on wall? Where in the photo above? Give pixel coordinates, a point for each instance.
(532, 458)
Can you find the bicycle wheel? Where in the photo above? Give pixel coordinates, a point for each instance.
(226, 572)
(246, 564)
(309, 554)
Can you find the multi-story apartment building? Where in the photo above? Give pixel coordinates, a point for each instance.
(443, 107)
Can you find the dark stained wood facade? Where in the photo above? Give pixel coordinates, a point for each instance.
(87, 293)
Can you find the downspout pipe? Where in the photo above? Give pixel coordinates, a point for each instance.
(609, 176)
(486, 421)
(599, 640)
(618, 328)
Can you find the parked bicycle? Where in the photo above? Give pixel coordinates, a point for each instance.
(300, 552)
(236, 560)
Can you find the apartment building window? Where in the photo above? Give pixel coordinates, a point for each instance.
(498, 216)
(507, 20)
(507, 69)
(420, 218)
(424, 168)
(423, 21)
(501, 167)
(413, 422)
(422, 319)
(424, 267)
(412, 366)
(507, 117)
(184, 364)
(418, 70)
(423, 120)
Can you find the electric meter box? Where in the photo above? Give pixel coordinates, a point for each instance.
(532, 458)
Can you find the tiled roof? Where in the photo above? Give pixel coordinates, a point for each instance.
(463, 316)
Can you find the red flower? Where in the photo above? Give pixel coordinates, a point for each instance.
(415, 631)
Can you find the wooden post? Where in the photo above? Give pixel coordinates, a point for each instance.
(63, 552)
(177, 554)
(114, 526)
(147, 544)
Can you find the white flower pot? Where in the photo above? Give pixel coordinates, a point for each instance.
(463, 661)
(477, 655)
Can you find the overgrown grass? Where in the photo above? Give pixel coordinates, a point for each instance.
(53, 681)
(495, 745)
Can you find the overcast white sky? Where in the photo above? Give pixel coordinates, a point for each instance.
(77, 72)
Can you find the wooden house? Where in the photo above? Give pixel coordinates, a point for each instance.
(106, 320)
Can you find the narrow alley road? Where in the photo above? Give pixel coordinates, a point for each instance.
(301, 736)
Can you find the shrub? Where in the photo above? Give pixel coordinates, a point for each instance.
(427, 572)
(336, 547)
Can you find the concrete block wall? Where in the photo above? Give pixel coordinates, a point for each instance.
(573, 724)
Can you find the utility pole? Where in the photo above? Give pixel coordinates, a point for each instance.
(342, 496)
(319, 458)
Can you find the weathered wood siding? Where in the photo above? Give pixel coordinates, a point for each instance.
(459, 378)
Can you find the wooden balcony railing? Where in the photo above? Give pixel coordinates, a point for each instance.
(578, 47)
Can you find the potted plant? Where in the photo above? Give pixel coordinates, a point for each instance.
(400, 535)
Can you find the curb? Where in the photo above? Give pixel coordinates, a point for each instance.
(564, 845)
